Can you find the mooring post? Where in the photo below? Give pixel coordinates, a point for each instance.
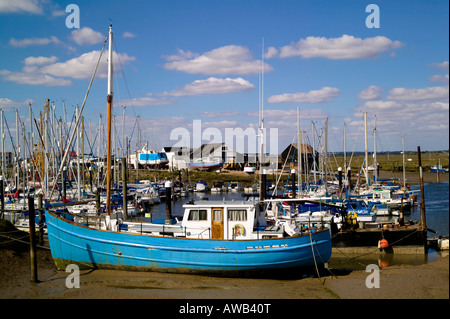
(97, 201)
(41, 221)
(2, 196)
(168, 186)
(422, 192)
(33, 261)
(262, 187)
(124, 187)
(64, 195)
(423, 221)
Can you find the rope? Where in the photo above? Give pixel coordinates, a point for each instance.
(21, 241)
(314, 256)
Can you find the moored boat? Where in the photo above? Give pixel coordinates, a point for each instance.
(223, 238)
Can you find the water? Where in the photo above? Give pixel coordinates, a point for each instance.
(436, 207)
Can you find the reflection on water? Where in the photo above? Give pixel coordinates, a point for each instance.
(359, 262)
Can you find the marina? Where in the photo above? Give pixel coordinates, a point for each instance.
(95, 219)
(184, 181)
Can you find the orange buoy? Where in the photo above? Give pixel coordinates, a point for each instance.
(383, 243)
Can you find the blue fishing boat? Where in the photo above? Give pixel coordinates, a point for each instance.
(224, 238)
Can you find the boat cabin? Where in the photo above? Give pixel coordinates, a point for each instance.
(226, 220)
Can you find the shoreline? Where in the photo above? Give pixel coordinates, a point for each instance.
(425, 281)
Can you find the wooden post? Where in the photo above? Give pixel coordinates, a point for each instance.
(41, 221)
(2, 196)
(422, 193)
(90, 177)
(64, 195)
(124, 187)
(97, 201)
(438, 166)
(262, 187)
(401, 219)
(168, 186)
(33, 261)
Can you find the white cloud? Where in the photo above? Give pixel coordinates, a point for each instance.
(291, 115)
(87, 36)
(373, 92)
(145, 101)
(58, 13)
(33, 78)
(439, 78)
(443, 65)
(376, 106)
(438, 93)
(213, 86)
(21, 6)
(271, 52)
(182, 55)
(128, 35)
(325, 94)
(31, 74)
(46, 71)
(40, 60)
(231, 59)
(220, 114)
(34, 41)
(345, 47)
(8, 103)
(82, 67)
(397, 118)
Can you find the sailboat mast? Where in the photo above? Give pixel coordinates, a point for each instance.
(403, 153)
(109, 99)
(375, 165)
(3, 146)
(365, 149)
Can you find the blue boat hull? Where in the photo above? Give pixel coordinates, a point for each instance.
(71, 243)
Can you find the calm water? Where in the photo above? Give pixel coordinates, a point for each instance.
(437, 218)
(436, 207)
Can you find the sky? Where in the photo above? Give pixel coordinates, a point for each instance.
(190, 72)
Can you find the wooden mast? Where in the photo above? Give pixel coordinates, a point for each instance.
(109, 99)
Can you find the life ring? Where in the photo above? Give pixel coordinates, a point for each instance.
(238, 230)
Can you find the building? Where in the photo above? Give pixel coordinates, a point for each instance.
(177, 156)
(290, 156)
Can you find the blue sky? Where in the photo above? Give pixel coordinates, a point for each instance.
(180, 61)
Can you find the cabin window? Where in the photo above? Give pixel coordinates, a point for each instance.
(217, 215)
(237, 215)
(197, 214)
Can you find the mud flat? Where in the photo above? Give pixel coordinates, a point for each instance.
(426, 281)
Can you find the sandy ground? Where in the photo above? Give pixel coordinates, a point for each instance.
(427, 281)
